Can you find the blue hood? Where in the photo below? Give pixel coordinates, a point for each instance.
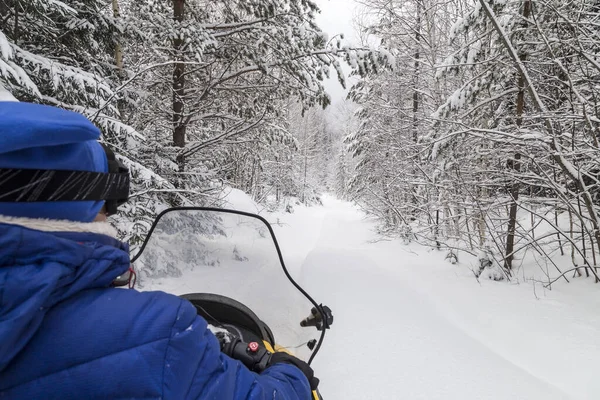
(40, 269)
(35, 136)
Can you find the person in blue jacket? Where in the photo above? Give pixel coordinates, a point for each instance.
(65, 332)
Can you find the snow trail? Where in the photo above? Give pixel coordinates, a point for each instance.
(390, 340)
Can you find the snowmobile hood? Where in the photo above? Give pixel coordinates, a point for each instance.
(39, 269)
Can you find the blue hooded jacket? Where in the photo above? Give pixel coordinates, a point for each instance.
(66, 334)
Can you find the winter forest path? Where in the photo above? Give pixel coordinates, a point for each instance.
(392, 337)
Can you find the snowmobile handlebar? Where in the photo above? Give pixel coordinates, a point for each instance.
(257, 358)
(316, 318)
(252, 355)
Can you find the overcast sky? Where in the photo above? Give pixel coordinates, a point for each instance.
(336, 17)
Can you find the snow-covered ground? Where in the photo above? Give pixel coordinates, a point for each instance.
(5, 94)
(409, 325)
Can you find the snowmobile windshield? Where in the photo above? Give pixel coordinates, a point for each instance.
(228, 254)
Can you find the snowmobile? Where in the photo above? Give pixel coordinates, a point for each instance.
(234, 265)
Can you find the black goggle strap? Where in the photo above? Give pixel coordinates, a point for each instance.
(31, 185)
(114, 166)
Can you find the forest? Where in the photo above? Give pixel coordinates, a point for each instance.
(471, 126)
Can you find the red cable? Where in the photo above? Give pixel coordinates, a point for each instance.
(132, 278)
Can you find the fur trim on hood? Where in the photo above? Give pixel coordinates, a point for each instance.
(53, 225)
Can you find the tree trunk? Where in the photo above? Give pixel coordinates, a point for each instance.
(119, 58)
(4, 15)
(16, 26)
(417, 57)
(304, 179)
(594, 256)
(562, 252)
(468, 230)
(512, 213)
(571, 230)
(582, 222)
(516, 164)
(118, 48)
(179, 125)
(438, 245)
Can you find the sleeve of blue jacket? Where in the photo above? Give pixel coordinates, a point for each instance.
(195, 368)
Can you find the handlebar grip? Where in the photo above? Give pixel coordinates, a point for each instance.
(308, 321)
(316, 318)
(252, 355)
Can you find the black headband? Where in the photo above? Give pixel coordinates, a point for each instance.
(33, 185)
(115, 167)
